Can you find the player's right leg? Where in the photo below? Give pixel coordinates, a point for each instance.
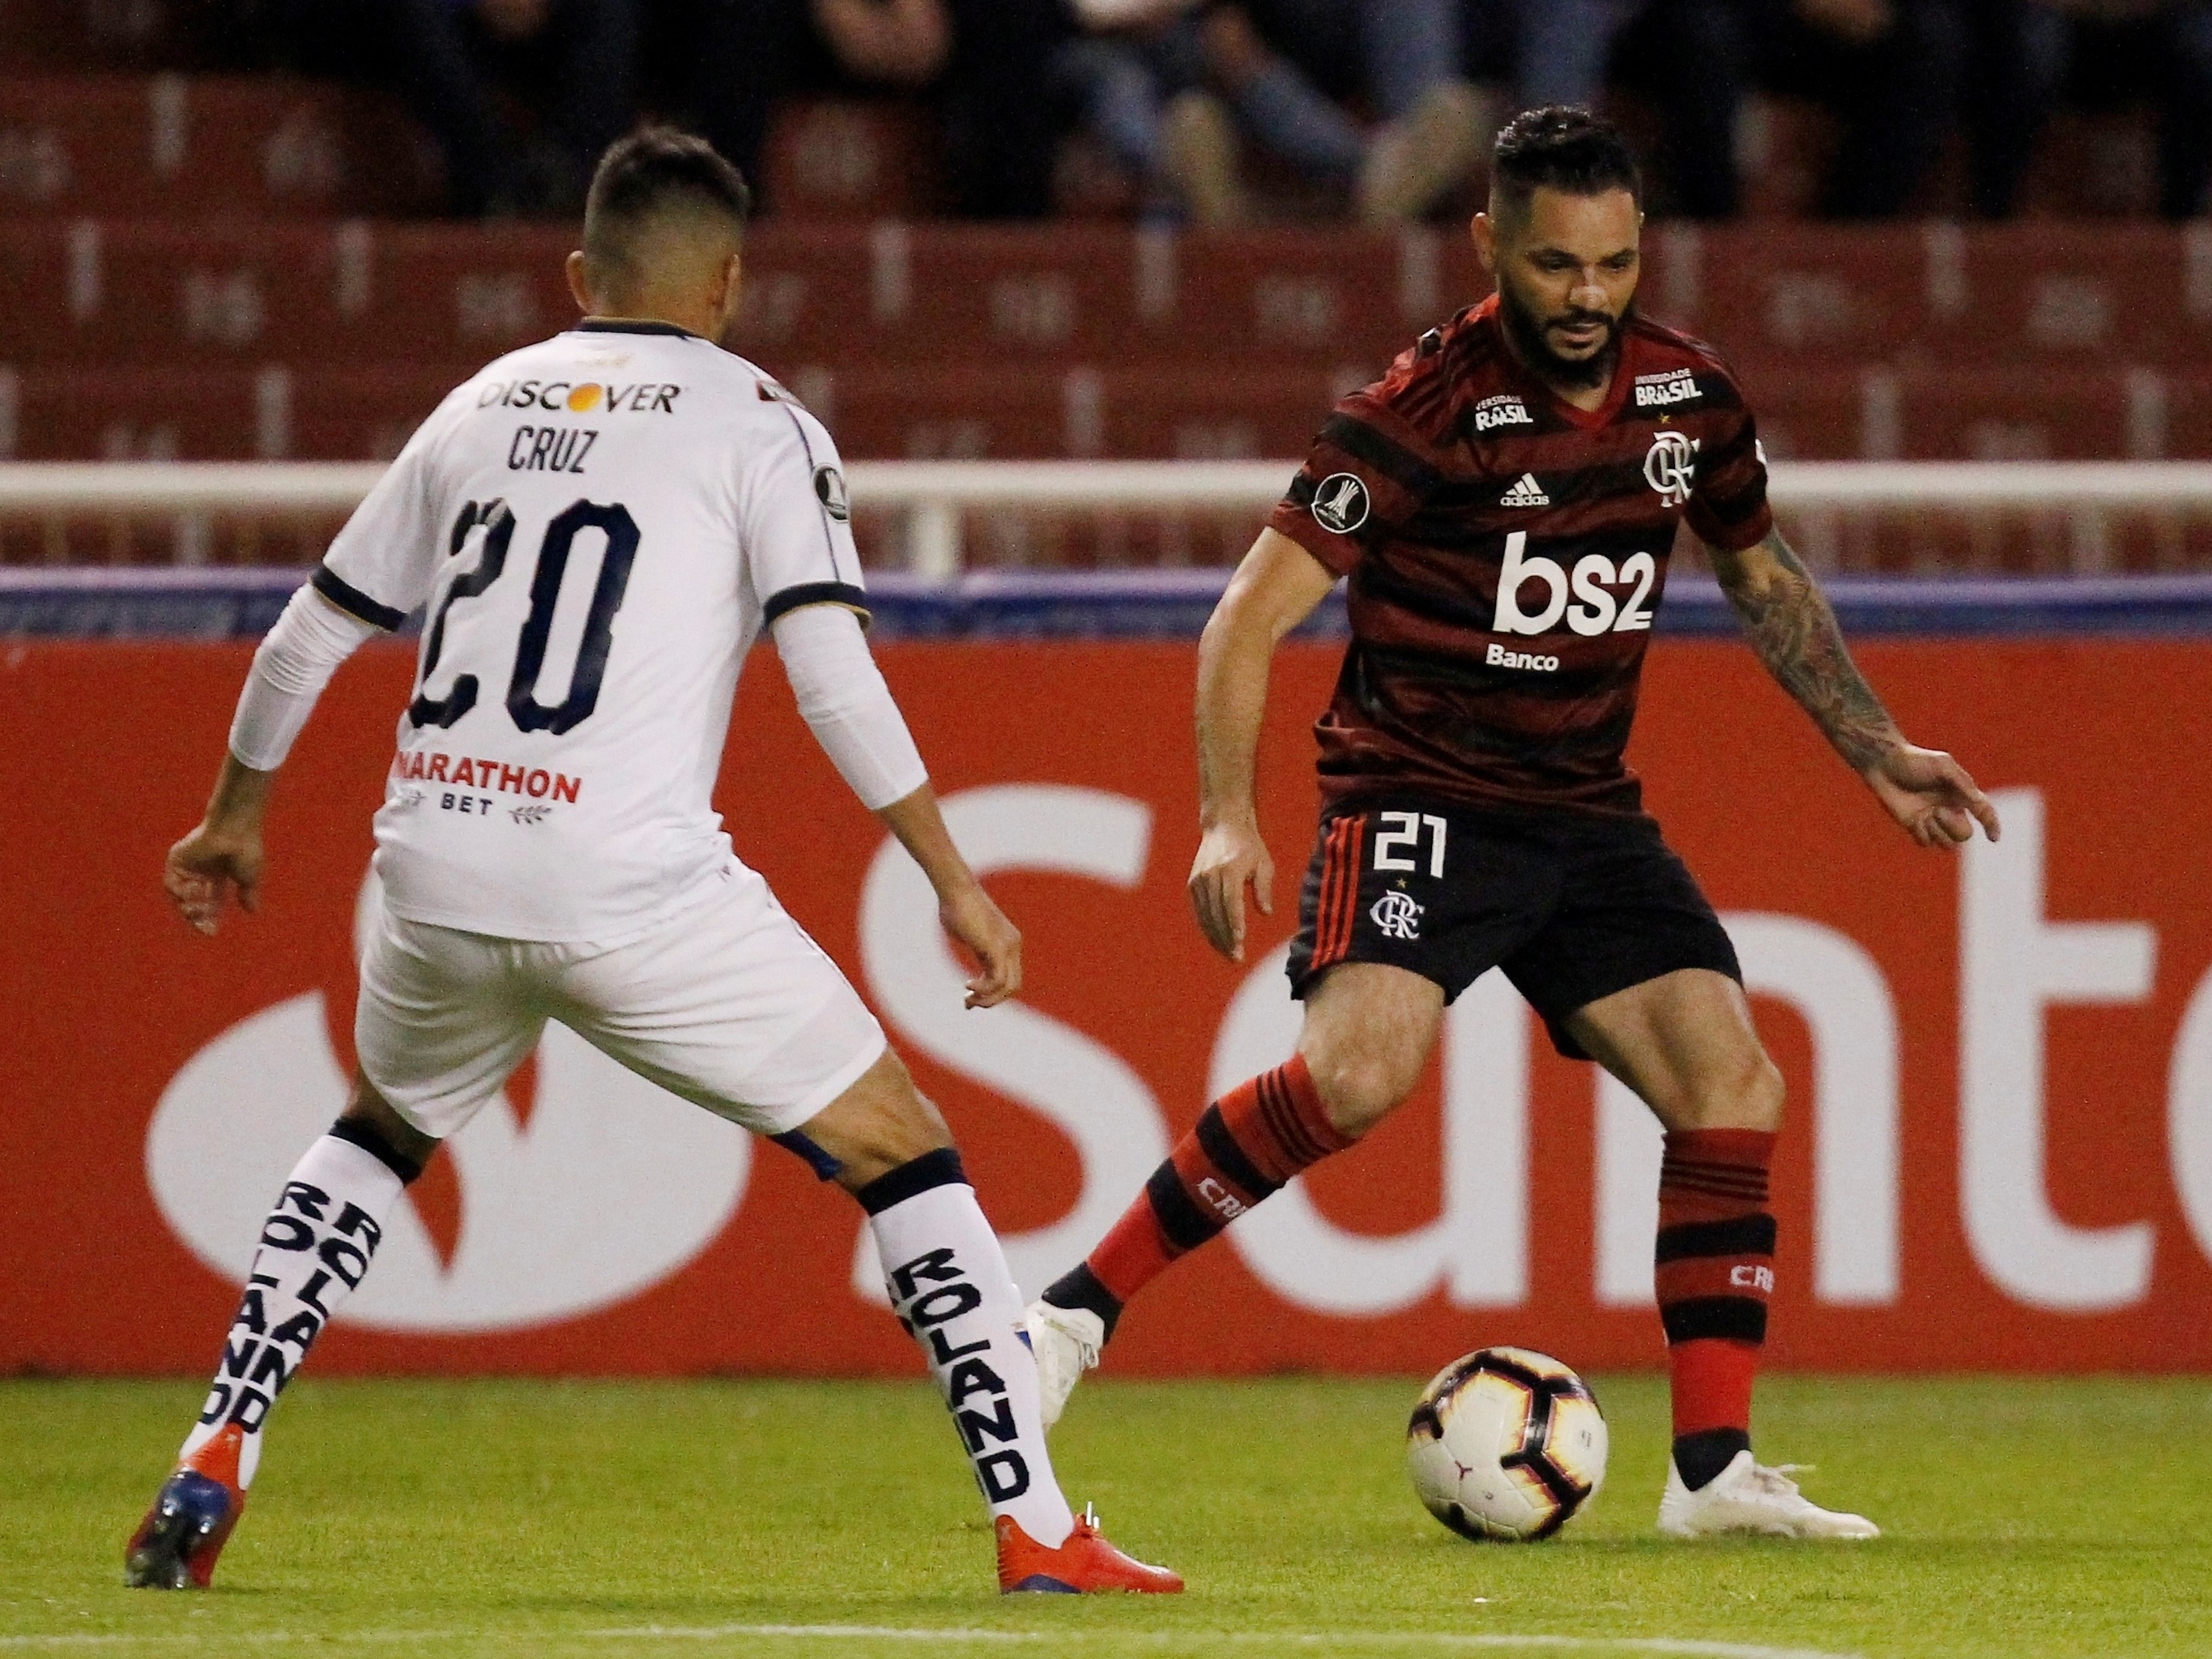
(1401, 908)
(1368, 1030)
(315, 1248)
(438, 1032)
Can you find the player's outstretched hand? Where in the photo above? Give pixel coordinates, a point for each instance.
(1931, 795)
(1230, 856)
(973, 918)
(205, 865)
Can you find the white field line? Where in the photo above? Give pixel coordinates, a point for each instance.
(1441, 1641)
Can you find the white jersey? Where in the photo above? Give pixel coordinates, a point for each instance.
(599, 527)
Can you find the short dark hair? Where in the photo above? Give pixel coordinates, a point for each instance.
(1561, 147)
(656, 170)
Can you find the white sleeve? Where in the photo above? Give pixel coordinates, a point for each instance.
(383, 563)
(844, 702)
(794, 527)
(295, 661)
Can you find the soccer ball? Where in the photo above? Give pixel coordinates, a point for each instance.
(1506, 1444)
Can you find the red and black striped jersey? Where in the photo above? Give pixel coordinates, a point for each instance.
(1507, 552)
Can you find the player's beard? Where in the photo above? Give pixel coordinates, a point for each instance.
(1526, 331)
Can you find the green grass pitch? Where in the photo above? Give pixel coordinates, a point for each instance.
(2025, 1518)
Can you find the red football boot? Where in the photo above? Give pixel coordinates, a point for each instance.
(1084, 1565)
(177, 1544)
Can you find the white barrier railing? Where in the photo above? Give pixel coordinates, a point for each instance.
(931, 496)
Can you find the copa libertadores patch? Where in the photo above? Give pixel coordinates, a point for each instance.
(829, 490)
(1340, 504)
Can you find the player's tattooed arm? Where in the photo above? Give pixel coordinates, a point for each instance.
(1792, 628)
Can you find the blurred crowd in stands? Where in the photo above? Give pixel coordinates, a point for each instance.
(1379, 108)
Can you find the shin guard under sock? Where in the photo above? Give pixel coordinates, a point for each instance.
(1714, 1271)
(949, 1287)
(315, 1248)
(1247, 1145)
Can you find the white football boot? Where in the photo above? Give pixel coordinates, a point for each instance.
(1749, 1497)
(1066, 1341)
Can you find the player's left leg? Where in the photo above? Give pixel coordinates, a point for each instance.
(886, 1144)
(1685, 1043)
(733, 1007)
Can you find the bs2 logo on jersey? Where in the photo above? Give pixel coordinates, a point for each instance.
(1580, 596)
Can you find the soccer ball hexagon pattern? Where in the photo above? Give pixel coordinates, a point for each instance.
(1506, 1444)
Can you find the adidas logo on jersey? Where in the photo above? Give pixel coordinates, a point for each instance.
(1527, 493)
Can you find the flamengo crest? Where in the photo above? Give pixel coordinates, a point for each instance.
(1340, 504)
(1670, 466)
(1398, 915)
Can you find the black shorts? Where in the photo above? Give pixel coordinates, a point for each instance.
(1573, 907)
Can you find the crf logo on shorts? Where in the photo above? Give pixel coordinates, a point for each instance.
(1398, 915)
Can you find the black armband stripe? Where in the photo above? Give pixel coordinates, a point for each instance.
(1749, 1235)
(917, 1175)
(1186, 1226)
(1220, 1146)
(805, 593)
(356, 1132)
(1736, 1318)
(1388, 457)
(355, 603)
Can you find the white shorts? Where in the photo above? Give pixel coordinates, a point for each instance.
(729, 1005)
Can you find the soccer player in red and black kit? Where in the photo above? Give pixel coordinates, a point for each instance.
(1502, 503)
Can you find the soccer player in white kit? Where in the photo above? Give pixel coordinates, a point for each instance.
(599, 527)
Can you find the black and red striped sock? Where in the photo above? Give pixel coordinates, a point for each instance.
(1246, 1146)
(1714, 1269)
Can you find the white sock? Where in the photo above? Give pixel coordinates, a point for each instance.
(315, 1248)
(949, 1287)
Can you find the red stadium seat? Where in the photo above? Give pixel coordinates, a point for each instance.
(1830, 292)
(267, 413)
(1963, 415)
(849, 158)
(194, 145)
(2065, 294)
(137, 291)
(1095, 293)
(975, 412)
(1285, 296)
(2091, 295)
(1806, 414)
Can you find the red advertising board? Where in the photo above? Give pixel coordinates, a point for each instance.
(1998, 1155)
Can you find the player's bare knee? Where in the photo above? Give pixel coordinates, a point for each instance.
(879, 1123)
(1358, 1091)
(1765, 1095)
(1749, 1095)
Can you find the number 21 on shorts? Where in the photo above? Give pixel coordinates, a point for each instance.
(1407, 834)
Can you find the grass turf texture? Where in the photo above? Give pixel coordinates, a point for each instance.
(2025, 1518)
